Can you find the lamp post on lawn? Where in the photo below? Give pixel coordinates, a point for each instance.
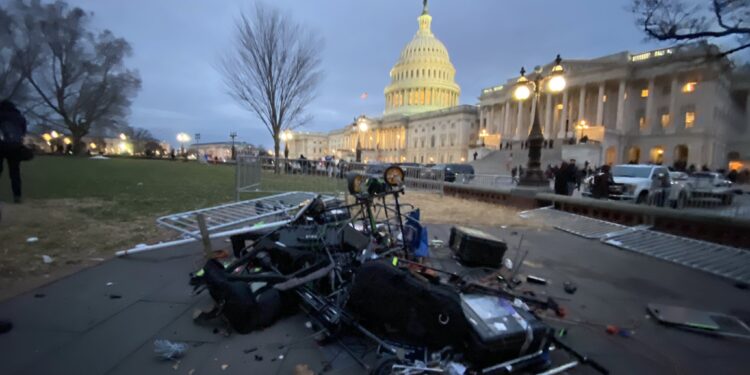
(183, 138)
(555, 82)
(233, 135)
(360, 127)
(286, 137)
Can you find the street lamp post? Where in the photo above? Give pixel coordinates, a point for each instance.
(233, 135)
(360, 127)
(534, 176)
(182, 138)
(286, 136)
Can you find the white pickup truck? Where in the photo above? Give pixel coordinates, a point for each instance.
(641, 183)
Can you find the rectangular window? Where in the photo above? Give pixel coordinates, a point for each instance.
(689, 119)
(689, 87)
(559, 106)
(642, 122)
(665, 120)
(644, 93)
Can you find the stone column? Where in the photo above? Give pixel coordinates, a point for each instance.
(563, 116)
(582, 104)
(620, 122)
(519, 121)
(650, 123)
(507, 126)
(548, 117)
(673, 105)
(600, 105)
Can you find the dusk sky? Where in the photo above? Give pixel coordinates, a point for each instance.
(177, 44)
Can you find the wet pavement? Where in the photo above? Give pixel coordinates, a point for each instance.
(103, 320)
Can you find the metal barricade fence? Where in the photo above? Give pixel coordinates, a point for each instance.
(322, 176)
(486, 180)
(247, 174)
(424, 179)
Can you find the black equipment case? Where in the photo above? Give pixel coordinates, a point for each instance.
(500, 330)
(476, 248)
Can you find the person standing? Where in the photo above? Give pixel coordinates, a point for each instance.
(572, 176)
(12, 131)
(602, 181)
(561, 179)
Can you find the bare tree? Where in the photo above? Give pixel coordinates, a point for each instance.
(273, 70)
(684, 20)
(78, 75)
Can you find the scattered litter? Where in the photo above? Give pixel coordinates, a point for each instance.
(32, 239)
(701, 321)
(455, 368)
(536, 280)
(47, 259)
(97, 259)
(615, 330)
(303, 369)
(248, 351)
(39, 295)
(562, 332)
(308, 324)
(168, 349)
(569, 287)
(140, 184)
(176, 365)
(281, 356)
(437, 243)
(115, 296)
(258, 358)
(99, 157)
(224, 367)
(192, 370)
(520, 304)
(508, 263)
(503, 226)
(110, 283)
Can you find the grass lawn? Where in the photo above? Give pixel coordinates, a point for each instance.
(82, 210)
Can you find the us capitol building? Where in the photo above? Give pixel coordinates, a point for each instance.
(670, 106)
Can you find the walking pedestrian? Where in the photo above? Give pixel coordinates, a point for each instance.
(12, 131)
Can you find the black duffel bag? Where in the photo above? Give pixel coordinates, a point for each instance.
(407, 308)
(244, 309)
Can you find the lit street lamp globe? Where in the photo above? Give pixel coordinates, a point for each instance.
(556, 84)
(522, 92)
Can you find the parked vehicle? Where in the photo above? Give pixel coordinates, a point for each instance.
(641, 184)
(466, 171)
(712, 185)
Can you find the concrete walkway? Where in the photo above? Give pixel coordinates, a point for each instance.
(80, 325)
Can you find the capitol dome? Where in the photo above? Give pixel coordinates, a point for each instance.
(423, 78)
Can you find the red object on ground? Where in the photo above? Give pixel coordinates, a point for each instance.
(612, 329)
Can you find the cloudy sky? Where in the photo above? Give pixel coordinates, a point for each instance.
(177, 44)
